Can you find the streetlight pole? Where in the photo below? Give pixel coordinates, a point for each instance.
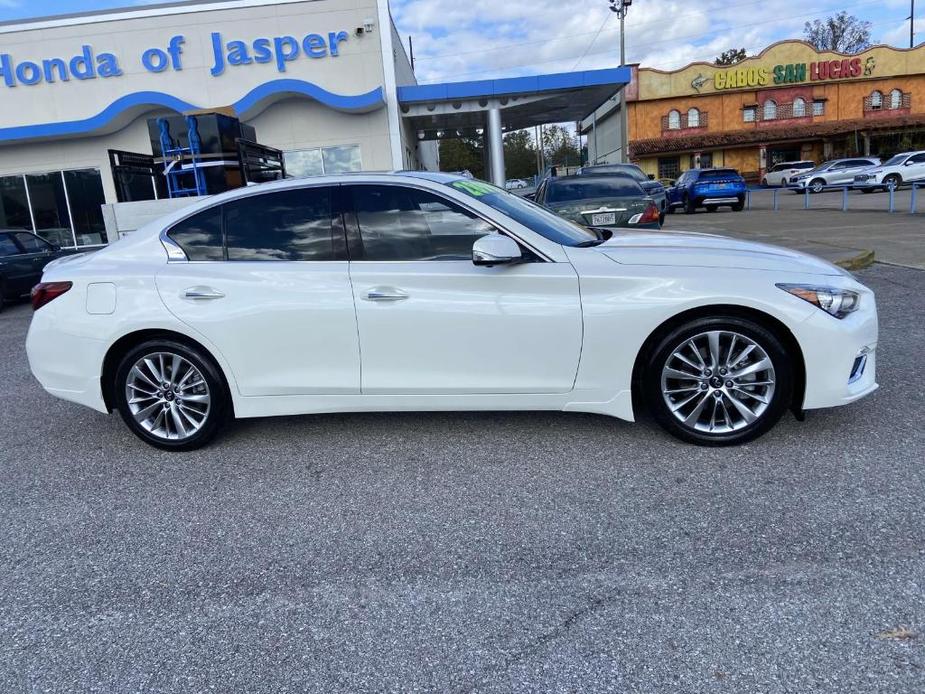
(912, 25)
(621, 7)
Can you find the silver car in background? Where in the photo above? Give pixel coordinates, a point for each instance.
(832, 173)
(654, 189)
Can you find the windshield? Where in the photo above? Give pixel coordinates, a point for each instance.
(897, 160)
(531, 215)
(611, 187)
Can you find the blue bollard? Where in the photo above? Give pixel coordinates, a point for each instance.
(892, 198)
(844, 199)
(776, 191)
(748, 199)
(806, 198)
(915, 190)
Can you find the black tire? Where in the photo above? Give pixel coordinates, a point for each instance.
(219, 409)
(690, 205)
(661, 219)
(658, 359)
(739, 206)
(669, 209)
(867, 190)
(894, 180)
(764, 182)
(711, 208)
(817, 185)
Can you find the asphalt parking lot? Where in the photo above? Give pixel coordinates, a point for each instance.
(527, 552)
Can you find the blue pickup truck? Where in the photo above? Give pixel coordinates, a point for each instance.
(708, 188)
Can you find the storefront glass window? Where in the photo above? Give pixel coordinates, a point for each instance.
(85, 194)
(341, 159)
(323, 160)
(14, 205)
(49, 208)
(669, 167)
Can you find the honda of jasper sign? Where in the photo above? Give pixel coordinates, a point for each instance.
(89, 64)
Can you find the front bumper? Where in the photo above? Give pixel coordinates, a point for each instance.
(840, 356)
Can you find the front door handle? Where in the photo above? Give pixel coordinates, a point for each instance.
(385, 294)
(203, 294)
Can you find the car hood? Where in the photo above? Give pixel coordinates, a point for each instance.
(691, 249)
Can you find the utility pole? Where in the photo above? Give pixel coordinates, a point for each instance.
(912, 25)
(621, 7)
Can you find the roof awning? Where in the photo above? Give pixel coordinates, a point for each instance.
(437, 110)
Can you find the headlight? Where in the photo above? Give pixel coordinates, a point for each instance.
(835, 302)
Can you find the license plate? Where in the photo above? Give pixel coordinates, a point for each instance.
(723, 185)
(600, 220)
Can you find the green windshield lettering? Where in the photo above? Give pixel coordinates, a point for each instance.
(474, 188)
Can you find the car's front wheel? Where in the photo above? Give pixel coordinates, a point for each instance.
(817, 185)
(171, 395)
(690, 205)
(718, 381)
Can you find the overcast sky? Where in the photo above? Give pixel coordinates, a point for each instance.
(479, 39)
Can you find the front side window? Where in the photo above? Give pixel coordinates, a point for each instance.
(31, 243)
(401, 223)
(7, 247)
(288, 225)
(200, 236)
(917, 159)
(535, 217)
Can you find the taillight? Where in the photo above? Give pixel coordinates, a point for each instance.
(650, 216)
(44, 292)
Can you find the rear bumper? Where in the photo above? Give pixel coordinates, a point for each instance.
(67, 366)
(721, 201)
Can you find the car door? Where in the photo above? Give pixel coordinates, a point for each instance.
(915, 168)
(433, 323)
(275, 298)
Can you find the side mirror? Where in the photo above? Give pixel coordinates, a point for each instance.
(530, 196)
(55, 247)
(651, 177)
(495, 249)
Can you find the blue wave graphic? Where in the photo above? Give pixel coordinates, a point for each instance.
(361, 103)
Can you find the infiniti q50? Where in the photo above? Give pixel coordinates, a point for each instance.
(418, 291)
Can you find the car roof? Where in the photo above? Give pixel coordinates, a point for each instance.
(590, 179)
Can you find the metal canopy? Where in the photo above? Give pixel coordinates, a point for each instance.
(453, 109)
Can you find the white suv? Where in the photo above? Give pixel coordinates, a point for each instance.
(902, 168)
(833, 173)
(780, 174)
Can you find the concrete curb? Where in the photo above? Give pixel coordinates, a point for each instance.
(860, 261)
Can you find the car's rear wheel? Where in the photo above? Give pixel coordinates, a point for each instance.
(739, 206)
(711, 208)
(718, 381)
(171, 395)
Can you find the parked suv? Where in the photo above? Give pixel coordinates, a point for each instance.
(23, 257)
(907, 167)
(832, 173)
(709, 188)
(654, 189)
(780, 174)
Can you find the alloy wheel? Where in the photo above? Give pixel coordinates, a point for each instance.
(718, 382)
(168, 396)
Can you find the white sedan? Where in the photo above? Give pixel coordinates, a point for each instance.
(422, 292)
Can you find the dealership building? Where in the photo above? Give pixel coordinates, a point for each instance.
(192, 98)
(789, 102)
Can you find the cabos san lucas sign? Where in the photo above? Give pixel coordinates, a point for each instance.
(793, 73)
(90, 64)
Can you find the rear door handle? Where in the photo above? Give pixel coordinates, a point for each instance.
(385, 294)
(203, 294)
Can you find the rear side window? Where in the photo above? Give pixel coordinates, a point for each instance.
(289, 225)
(200, 236)
(31, 244)
(7, 247)
(611, 187)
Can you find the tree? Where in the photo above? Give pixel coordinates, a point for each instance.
(731, 57)
(560, 147)
(843, 32)
(519, 154)
(462, 154)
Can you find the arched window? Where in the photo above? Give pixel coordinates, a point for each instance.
(896, 98)
(693, 118)
(674, 120)
(770, 110)
(876, 99)
(799, 107)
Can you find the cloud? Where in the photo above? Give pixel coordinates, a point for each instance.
(480, 39)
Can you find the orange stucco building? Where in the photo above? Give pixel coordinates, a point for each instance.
(789, 102)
